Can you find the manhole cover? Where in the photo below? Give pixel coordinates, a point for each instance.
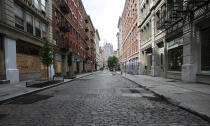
(30, 99)
(3, 116)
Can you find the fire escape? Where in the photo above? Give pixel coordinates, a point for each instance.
(64, 26)
(64, 7)
(177, 12)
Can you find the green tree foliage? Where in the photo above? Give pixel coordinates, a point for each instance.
(112, 61)
(46, 54)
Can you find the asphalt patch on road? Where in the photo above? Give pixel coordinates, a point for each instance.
(3, 116)
(156, 98)
(30, 99)
(134, 91)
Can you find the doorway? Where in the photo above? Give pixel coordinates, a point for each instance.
(78, 70)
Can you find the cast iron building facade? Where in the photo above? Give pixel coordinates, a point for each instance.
(181, 50)
(23, 25)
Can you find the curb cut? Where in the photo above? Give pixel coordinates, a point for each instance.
(173, 101)
(39, 90)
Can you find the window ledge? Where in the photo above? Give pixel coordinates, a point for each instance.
(176, 72)
(203, 74)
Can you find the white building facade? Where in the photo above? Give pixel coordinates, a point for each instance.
(97, 41)
(119, 39)
(107, 52)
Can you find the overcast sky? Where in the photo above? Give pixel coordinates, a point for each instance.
(105, 15)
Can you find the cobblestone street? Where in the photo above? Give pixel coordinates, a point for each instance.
(102, 99)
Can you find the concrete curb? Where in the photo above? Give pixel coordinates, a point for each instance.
(39, 90)
(173, 101)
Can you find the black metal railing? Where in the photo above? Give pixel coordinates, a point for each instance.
(64, 26)
(64, 7)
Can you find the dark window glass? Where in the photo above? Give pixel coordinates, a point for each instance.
(57, 37)
(70, 44)
(205, 50)
(29, 23)
(38, 29)
(19, 22)
(28, 49)
(175, 59)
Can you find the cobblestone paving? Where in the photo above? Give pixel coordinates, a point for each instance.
(97, 100)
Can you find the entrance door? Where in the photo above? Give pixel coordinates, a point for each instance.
(162, 65)
(205, 50)
(149, 64)
(83, 66)
(78, 67)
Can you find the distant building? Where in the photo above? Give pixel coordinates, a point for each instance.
(100, 59)
(97, 40)
(107, 52)
(115, 54)
(119, 42)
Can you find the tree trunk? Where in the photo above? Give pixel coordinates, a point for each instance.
(47, 73)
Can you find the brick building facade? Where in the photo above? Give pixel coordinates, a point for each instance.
(70, 33)
(130, 37)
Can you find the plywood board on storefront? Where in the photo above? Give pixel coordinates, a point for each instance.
(58, 67)
(2, 68)
(28, 64)
(44, 72)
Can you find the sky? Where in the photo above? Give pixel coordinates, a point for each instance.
(105, 16)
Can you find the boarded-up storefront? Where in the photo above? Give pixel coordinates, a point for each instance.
(28, 62)
(30, 67)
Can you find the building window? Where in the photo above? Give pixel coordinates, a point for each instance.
(37, 4)
(19, 18)
(205, 50)
(67, 43)
(57, 37)
(70, 45)
(37, 28)
(175, 59)
(44, 33)
(29, 23)
(43, 5)
(2, 62)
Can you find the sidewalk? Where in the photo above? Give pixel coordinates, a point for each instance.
(11, 91)
(194, 97)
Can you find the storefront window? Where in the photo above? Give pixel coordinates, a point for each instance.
(175, 59)
(2, 67)
(205, 50)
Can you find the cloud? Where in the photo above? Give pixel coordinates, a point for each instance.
(105, 15)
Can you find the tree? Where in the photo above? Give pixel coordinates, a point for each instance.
(69, 62)
(112, 61)
(46, 54)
